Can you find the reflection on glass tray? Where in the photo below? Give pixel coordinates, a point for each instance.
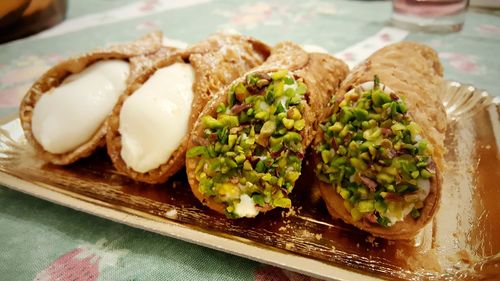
(462, 241)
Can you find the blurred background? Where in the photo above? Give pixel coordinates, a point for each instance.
(21, 18)
(37, 34)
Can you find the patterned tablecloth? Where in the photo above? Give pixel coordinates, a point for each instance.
(43, 241)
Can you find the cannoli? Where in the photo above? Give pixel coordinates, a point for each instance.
(150, 125)
(64, 113)
(246, 149)
(379, 154)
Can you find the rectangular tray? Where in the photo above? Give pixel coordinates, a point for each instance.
(463, 241)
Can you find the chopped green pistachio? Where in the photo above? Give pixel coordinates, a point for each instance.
(336, 127)
(390, 171)
(385, 178)
(262, 115)
(221, 108)
(232, 140)
(358, 164)
(289, 80)
(414, 129)
(240, 158)
(247, 165)
(229, 120)
(344, 192)
(230, 154)
(353, 146)
(346, 115)
(301, 89)
(425, 174)
(380, 206)
(278, 90)
(231, 163)
(270, 95)
(274, 141)
(374, 117)
(231, 99)
(366, 206)
(422, 147)
(260, 167)
(211, 122)
(339, 161)
(294, 114)
(372, 134)
(280, 109)
(402, 107)
(240, 92)
(398, 127)
(252, 79)
(280, 74)
(288, 123)
(342, 150)
(259, 200)
(228, 190)
(365, 156)
(292, 176)
(299, 125)
(325, 155)
(379, 98)
(292, 137)
(282, 202)
(356, 214)
(383, 221)
(268, 128)
(345, 131)
(267, 177)
(197, 151)
(363, 192)
(360, 114)
(295, 100)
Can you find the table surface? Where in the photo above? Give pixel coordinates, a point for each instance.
(43, 240)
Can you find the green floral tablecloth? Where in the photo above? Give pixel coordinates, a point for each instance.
(43, 241)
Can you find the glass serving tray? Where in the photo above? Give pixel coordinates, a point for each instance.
(463, 241)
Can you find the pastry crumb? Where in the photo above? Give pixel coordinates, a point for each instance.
(318, 236)
(290, 212)
(371, 239)
(172, 214)
(289, 245)
(306, 234)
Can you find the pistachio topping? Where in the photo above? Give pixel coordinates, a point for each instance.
(254, 145)
(374, 155)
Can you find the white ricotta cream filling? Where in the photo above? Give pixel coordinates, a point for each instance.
(67, 116)
(363, 87)
(154, 119)
(424, 187)
(246, 207)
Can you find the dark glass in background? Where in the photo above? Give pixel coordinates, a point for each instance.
(20, 18)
